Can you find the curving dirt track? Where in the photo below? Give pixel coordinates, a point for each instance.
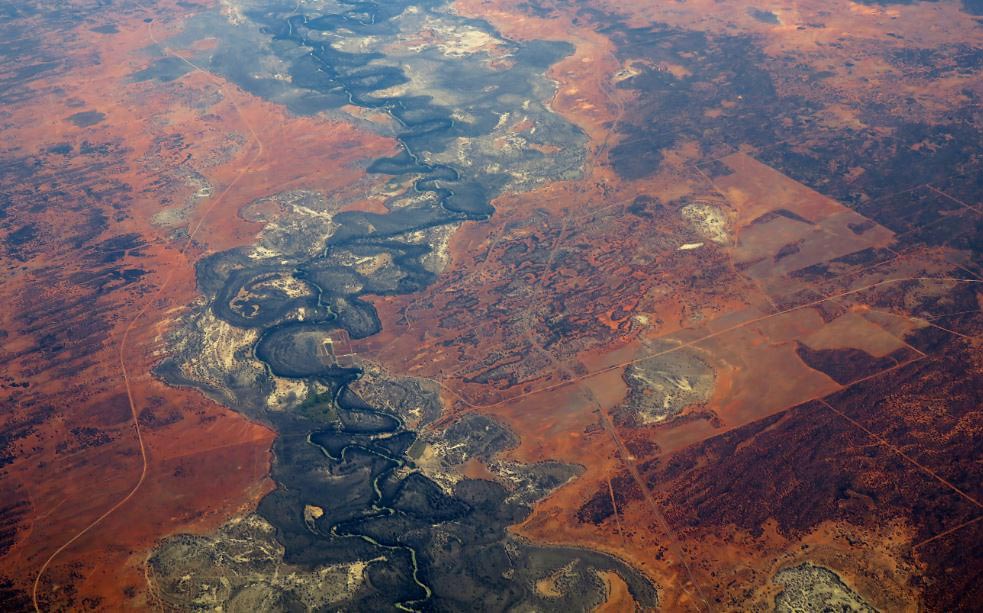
(752, 319)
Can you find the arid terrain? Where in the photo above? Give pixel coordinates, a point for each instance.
(488, 305)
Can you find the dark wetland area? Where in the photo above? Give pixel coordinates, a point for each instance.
(482, 305)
